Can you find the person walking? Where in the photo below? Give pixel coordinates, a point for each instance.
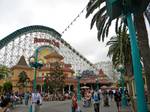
(26, 98)
(117, 97)
(74, 102)
(36, 98)
(96, 100)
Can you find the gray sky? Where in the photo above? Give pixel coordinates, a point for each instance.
(56, 14)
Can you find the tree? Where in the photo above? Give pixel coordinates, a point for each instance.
(144, 48)
(4, 72)
(120, 51)
(101, 18)
(119, 47)
(56, 82)
(103, 22)
(7, 86)
(22, 78)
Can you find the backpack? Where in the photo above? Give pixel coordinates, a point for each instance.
(96, 97)
(38, 102)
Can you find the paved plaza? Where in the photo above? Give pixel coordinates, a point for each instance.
(65, 106)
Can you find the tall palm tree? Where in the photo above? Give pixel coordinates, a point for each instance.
(101, 18)
(103, 22)
(120, 51)
(144, 48)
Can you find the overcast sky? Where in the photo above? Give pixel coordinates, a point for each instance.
(56, 14)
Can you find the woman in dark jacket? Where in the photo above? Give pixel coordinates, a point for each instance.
(117, 97)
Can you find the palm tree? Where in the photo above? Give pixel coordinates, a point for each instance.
(4, 72)
(120, 51)
(119, 48)
(101, 18)
(144, 48)
(7, 86)
(103, 22)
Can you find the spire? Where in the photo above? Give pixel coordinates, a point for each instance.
(22, 61)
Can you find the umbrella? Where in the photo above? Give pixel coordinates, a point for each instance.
(104, 87)
(84, 87)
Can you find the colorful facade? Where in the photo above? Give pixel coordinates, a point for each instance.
(49, 56)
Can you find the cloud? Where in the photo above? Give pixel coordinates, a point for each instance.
(55, 14)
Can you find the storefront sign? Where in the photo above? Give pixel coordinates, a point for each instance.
(53, 42)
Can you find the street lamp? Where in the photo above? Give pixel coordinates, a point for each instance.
(44, 84)
(78, 77)
(36, 64)
(97, 83)
(121, 69)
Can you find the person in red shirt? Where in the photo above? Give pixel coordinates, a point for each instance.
(74, 102)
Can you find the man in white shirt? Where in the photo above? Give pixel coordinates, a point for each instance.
(36, 101)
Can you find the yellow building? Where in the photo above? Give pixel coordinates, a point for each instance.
(49, 58)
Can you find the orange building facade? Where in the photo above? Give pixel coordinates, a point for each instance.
(49, 56)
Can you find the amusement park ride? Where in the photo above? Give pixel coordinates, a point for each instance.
(24, 42)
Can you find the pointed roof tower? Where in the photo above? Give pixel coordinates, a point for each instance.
(22, 61)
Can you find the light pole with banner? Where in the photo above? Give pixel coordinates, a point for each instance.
(121, 69)
(36, 64)
(97, 83)
(78, 77)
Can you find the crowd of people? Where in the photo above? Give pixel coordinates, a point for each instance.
(9, 100)
(89, 97)
(95, 97)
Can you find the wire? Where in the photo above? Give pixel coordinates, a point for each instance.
(74, 20)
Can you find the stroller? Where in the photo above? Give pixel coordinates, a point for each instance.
(106, 100)
(86, 102)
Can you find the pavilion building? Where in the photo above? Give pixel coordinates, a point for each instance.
(88, 78)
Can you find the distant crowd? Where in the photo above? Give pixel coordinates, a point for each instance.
(95, 97)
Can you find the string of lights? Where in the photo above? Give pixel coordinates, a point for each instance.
(74, 20)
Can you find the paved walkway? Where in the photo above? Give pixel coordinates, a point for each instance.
(65, 106)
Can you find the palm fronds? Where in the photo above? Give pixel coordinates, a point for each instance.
(119, 47)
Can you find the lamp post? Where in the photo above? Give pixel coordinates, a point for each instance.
(44, 84)
(35, 63)
(122, 70)
(78, 77)
(97, 83)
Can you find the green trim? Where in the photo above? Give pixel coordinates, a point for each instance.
(29, 29)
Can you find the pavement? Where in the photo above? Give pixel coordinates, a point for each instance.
(65, 106)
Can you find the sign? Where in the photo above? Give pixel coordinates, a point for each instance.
(53, 42)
